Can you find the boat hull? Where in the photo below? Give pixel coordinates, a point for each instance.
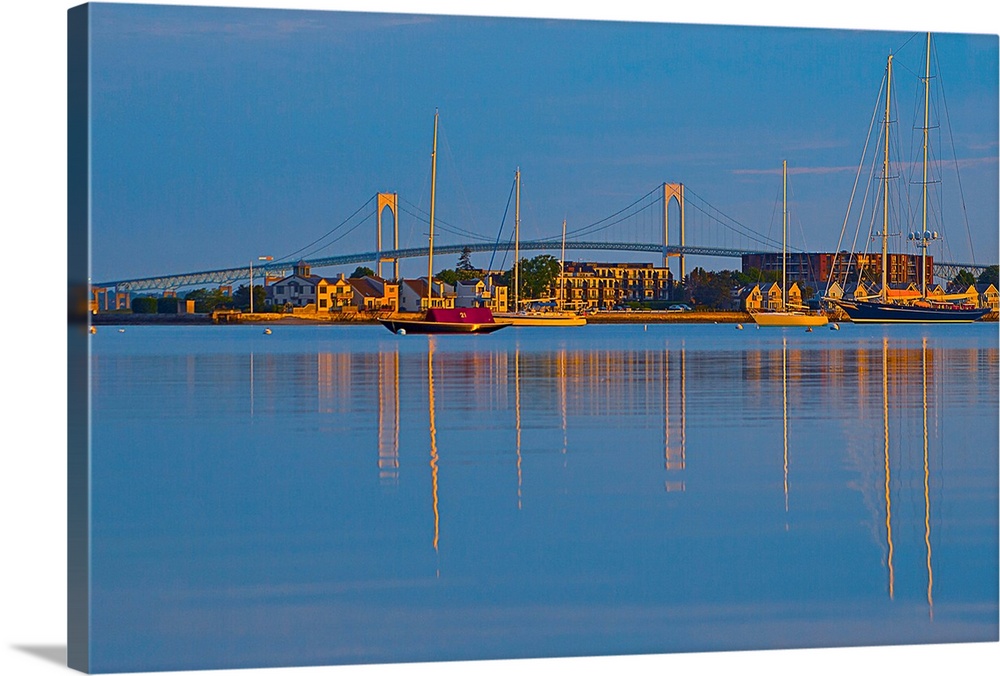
(789, 319)
(542, 319)
(418, 326)
(865, 312)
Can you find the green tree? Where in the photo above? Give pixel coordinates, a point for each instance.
(537, 277)
(241, 297)
(465, 261)
(166, 305)
(449, 277)
(208, 301)
(705, 288)
(359, 272)
(144, 305)
(964, 279)
(990, 275)
(756, 276)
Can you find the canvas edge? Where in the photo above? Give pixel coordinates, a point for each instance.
(78, 363)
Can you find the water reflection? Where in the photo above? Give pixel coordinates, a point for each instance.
(800, 491)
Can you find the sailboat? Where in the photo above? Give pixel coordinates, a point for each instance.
(442, 320)
(949, 309)
(785, 316)
(519, 317)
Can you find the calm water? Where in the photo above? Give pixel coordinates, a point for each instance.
(340, 494)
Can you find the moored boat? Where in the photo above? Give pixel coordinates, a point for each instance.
(874, 312)
(786, 316)
(531, 318)
(447, 320)
(442, 320)
(884, 308)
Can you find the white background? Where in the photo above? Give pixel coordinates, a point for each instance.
(33, 374)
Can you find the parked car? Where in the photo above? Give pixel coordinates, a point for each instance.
(679, 307)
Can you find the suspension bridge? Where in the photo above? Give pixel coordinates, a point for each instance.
(656, 223)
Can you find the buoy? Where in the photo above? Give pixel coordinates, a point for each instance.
(835, 327)
(401, 332)
(267, 332)
(739, 327)
(93, 329)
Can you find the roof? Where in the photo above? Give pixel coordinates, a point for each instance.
(419, 287)
(368, 286)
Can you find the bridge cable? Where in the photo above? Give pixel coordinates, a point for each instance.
(342, 224)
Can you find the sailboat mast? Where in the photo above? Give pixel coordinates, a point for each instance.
(927, 120)
(517, 239)
(430, 237)
(884, 291)
(784, 227)
(562, 264)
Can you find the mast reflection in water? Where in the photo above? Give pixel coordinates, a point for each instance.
(342, 495)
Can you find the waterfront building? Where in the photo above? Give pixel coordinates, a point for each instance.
(481, 293)
(606, 285)
(413, 295)
(296, 290)
(987, 295)
(308, 292)
(374, 294)
(817, 269)
(335, 295)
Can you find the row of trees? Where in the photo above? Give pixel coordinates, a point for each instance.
(536, 277)
(205, 300)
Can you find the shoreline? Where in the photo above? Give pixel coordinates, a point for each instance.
(302, 319)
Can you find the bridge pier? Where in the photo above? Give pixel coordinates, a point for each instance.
(390, 200)
(673, 191)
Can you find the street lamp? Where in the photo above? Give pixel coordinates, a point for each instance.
(260, 258)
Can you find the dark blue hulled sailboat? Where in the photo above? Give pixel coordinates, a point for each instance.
(922, 309)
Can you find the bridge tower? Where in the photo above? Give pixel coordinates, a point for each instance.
(390, 200)
(673, 191)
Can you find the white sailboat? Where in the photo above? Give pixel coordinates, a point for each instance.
(784, 316)
(525, 317)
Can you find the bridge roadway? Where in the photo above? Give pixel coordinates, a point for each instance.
(233, 275)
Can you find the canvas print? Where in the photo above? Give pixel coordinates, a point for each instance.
(402, 338)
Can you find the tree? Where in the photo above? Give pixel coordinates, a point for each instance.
(167, 305)
(241, 297)
(359, 272)
(964, 279)
(714, 289)
(990, 275)
(145, 305)
(208, 301)
(465, 261)
(756, 276)
(537, 277)
(449, 277)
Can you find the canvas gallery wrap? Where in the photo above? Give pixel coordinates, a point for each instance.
(421, 338)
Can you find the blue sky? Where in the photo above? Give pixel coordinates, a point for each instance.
(223, 134)
(34, 70)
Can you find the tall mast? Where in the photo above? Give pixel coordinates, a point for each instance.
(430, 237)
(562, 263)
(784, 226)
(884, 291)
(927, 120)
(517, 239)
